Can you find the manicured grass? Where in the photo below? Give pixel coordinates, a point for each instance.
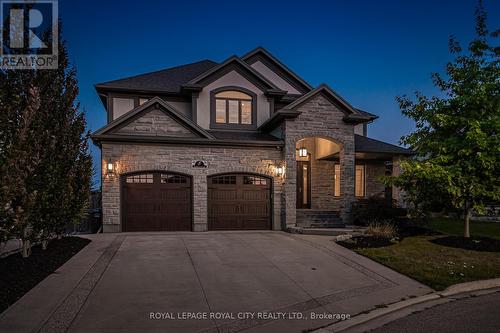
(456, 227)
(440, 266)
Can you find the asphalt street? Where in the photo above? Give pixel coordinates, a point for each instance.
(479, 314)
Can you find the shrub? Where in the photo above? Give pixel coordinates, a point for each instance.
(375, 210)
(382, 230)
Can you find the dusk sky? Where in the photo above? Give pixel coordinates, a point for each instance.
(368, 51)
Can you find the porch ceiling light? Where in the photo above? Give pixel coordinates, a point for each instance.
(302, 152)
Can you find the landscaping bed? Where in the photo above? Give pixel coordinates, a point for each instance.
(19, 275)
(437, 257)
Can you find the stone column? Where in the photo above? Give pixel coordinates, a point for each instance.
(290, 186)
(200, 202)
(396, 171)
(347, 161)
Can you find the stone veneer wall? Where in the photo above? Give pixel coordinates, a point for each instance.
(155, 123)
(319, 118)
(131, 158)
(322, 178)
(373, 171)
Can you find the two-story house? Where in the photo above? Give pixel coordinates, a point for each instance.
(245, 144)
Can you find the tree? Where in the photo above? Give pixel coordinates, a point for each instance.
(45, 164)
(457, 134)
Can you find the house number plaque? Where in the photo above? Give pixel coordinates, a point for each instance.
(199, 164)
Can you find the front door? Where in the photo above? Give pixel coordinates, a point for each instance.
(303, 184)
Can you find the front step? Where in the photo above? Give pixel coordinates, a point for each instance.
(313, 218)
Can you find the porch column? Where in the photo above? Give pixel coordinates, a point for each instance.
(347, 162)
(396, 171)
(290, 186)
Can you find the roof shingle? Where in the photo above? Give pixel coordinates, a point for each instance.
(168, 80)
(368, 145)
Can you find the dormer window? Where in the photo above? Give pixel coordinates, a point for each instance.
(233, 108)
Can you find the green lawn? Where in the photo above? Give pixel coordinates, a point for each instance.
(456, 227)
(440, 266)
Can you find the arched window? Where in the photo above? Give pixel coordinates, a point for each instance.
(233, 108)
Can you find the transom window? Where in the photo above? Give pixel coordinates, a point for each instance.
(224, 180)
(145, 178)
(173, 179)
(233, 107)
(254, 180)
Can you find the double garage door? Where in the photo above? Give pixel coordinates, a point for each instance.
(158, 201)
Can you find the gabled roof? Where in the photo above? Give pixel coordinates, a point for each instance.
(261, 54)
(232, 63)
(168, 80)
(144, 108)
(351, 113)
(367, 145)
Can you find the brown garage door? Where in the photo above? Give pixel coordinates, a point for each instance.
(239, 202)
(156, 201)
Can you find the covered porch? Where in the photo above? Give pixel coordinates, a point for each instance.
(324, 184)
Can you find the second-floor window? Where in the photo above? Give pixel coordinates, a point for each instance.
(233, 108)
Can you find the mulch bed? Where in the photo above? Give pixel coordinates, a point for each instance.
(481, 244)
(365, 242)
(19, 275)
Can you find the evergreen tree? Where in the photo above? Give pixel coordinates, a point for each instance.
(45, 165)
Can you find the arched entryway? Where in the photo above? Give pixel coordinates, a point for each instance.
(239, 201)
(156, 201)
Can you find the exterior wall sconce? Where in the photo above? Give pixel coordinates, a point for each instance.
(280, 170)
(302, 152)
(110, 167)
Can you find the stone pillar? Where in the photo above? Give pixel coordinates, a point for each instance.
(396, 171)
(290, 184)
(347, 161)
(200, 202)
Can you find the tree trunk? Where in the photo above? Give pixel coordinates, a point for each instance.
(45, 241)
(468, 213)
(26, 251)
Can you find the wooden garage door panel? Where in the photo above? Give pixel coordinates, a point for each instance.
(239, 202)
(156, 201)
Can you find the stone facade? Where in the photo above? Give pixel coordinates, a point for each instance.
(155, 123)
(374, 170)
(319, 118)
(131, 158)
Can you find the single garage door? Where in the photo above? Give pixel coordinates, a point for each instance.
(156, 201)
(239, 202)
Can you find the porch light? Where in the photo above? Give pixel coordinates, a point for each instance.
(280, 170)
(303, 152)
(110, 167)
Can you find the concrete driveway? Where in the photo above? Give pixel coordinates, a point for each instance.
(231, 281)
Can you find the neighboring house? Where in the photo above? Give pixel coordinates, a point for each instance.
(242, 144)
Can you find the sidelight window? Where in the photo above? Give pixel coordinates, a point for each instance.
(360, 181)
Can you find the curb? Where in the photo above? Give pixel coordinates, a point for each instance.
(401, 309)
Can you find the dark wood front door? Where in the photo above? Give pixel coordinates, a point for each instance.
(156, 201)
(239, 202)
(303, 184)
